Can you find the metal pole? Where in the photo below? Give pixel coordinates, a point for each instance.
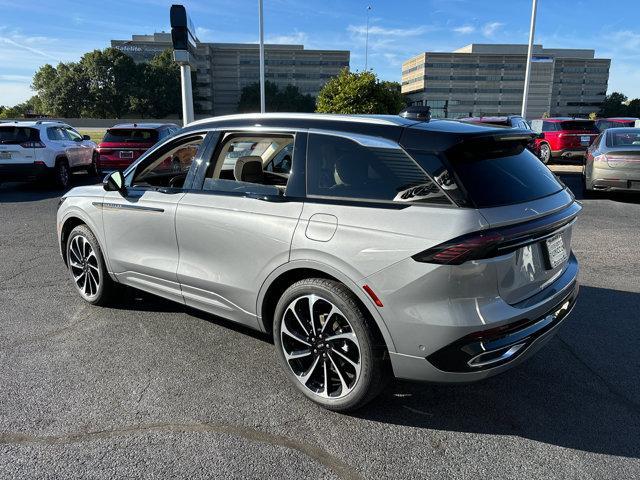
(187, 94)
(262, 99)
(366, 42)
(527, 75)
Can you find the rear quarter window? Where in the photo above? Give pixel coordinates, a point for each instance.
(342, 168)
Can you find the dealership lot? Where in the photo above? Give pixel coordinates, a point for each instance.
(152, 389)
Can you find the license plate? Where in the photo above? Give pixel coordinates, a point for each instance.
(5, 155)
(556, 252)
(585, 138)
(126, 154)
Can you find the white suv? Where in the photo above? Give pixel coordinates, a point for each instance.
(44, 149)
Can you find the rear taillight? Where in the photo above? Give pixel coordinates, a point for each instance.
(481, 245)
(497, 241)
(36, 144)
(600, 159)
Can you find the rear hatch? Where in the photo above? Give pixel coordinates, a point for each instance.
(529, 212)
(124, 145)
(577, 134)
(17, 144)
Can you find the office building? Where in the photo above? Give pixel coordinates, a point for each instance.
(488, 79)
(224, 69)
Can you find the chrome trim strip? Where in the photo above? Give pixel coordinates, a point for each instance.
(477, 360)
(304, 116)
(125, 206)
(364, 140)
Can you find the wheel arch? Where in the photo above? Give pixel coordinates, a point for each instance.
(70, 221)
(284, 276)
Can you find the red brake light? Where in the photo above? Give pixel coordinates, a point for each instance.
(477, 246)
(32, 144)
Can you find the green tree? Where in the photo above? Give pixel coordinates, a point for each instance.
(359, 93)
(289, 99)
(613, 105)
(157, 90)
(63, 90)
(110, 77)
(30, 107)
(633, 108)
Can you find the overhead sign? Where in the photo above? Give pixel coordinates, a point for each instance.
(183, 34)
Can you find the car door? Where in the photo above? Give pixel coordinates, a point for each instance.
(83, 148)
(139, 223)
(233, 228)
(63, 144)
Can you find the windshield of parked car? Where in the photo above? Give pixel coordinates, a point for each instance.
(131, 135)
(581, 125)
(624, 138)
(17, 135)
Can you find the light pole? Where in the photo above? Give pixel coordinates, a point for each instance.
(366, 42)
(527, 75)
(262, 99)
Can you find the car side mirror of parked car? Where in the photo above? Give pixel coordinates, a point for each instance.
(114, 182)
(86, 137)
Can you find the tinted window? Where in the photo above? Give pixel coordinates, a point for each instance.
(73, 135)
(549, 126)
(56, 133)
(340, 167)
(17, 135)
(131, 135)
(503, 175)
(579, 125)
(624, 138)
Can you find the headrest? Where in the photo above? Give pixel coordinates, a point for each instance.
(248, 169)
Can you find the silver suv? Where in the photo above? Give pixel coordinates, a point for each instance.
(368, 246)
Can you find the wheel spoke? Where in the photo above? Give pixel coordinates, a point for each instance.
(304, 378)
(345, 387)
(74, 264)
(342, 336)
(333, 311)
(290, 334)
(78, 278)
(312, 300)
(325, 390)
(344, 357)
(297, 354)
(299, 321)
(84, 286)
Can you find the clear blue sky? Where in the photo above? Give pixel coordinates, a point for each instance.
(33, 33)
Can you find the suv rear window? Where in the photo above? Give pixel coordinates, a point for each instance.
(131, 135)
(501, 175)
(18, 135)
(579, 125)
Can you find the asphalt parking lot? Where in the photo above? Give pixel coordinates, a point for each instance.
(150, 389)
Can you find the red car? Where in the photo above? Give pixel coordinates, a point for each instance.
(563, 137)
(123, 144)
(614, 122)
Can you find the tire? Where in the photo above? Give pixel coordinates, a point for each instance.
(62, 174)
(87, 267)
(545, 153)
(92, 170)
(355, 362)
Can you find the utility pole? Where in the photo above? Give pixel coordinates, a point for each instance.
(366, 42)
(527, 75)
(262, 99)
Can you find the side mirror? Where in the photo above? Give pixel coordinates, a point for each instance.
(86, 137)
(541, 135)
(114, 182)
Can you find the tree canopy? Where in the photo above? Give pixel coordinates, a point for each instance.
(108, 84)
(360, 92)
(289, 99)
(617, 104)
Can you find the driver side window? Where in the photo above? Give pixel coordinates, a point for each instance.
(168, 167)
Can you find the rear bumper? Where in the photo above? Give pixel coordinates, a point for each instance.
(475, 354)
(108, 165)
(616, 185)
(575, 152)
(23, 171)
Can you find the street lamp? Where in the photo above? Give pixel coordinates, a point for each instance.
(527, 75)
(262, 99)
(366, 42)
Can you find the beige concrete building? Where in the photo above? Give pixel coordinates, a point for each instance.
(488, 79)
(224, 69)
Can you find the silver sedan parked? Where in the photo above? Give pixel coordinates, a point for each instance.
(613, 161)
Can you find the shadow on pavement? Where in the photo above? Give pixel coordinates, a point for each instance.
(581, 391)
(14, 192)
